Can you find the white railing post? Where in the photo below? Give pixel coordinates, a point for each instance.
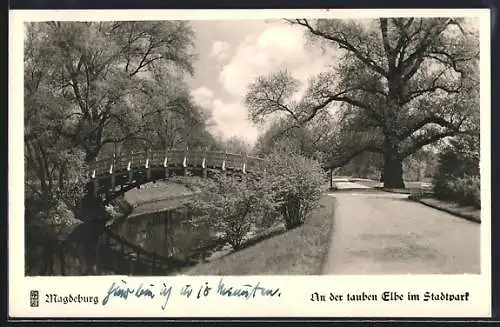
(96, 166)
(204, 163)
(165, 163)
(95, 179)
(147, 166)
(244, 167)
(130, 167)
(95, 183)
(184, 161)
(111, 172)
(223, 168)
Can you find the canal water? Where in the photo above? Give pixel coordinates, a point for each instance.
(167, 230)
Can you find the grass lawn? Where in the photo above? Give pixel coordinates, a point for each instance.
(468, 212)
(410, 187)
(300, 251)
(366, 182)
(158, 191)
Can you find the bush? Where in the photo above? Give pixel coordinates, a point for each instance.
(233, 205)
(295, 184)
(288, 188)
(466, 190)
(457, 177)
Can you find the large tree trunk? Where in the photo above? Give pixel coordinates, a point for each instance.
(393, 173)
(393, 167)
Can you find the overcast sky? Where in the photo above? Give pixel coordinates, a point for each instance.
(232, 54)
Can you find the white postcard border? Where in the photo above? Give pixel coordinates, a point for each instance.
(296, 290)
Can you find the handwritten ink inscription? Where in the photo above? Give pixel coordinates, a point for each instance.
(123, 291)
(248, 291)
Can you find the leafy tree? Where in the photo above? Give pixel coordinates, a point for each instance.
(402, 83)
(309, 140)
(95, 87)
(236, 144)
(104, 75)
(421, 165)
(365, 165)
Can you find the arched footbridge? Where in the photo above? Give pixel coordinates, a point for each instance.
(113, 176)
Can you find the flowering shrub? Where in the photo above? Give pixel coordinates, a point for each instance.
(233, 205)
(287, 188)
(295, 184)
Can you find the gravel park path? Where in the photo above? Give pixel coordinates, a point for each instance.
(343, 185)
(385, 233)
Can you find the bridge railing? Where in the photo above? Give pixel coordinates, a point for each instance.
(101, 166)
(254, 163)
(215, 159)
(233, 161)
(195, 158)
(176, 157)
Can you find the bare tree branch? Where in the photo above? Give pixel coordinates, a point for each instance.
(343, 43)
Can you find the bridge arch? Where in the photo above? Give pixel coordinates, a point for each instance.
(111, 177)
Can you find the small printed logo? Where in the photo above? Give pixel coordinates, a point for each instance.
(34, 299)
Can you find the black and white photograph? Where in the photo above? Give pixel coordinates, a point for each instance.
(229, 147)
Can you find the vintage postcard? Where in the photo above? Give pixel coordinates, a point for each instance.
(249, 163)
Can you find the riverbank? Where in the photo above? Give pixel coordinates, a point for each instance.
(158, 225)
(300, 251)
(158, 197)
(158, 192)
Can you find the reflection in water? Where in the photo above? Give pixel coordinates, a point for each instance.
(167, 233)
